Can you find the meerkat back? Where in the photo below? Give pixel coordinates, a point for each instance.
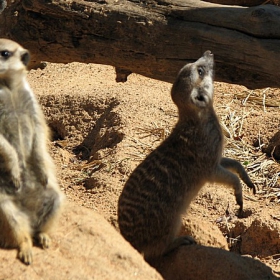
(30, 197)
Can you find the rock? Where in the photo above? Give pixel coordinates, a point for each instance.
(261, 239)
(203, 232)
(273, 148)
(85, 246)
(196, 262)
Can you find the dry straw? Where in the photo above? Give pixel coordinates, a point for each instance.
(264, 171)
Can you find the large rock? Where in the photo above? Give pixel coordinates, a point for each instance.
(196, 262)
(261, 239)
(203, 232)
(85, 246)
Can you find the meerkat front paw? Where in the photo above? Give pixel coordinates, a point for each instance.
(25, 255)
(16, 178)
(16, 183)
(44, 240)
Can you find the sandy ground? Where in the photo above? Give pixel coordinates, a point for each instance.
(103, 129)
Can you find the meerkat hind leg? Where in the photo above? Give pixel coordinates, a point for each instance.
(48, 213)
(179, 241)
(18, 228)
(153, 253)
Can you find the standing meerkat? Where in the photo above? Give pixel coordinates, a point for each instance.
(161, 188)
(30, 197)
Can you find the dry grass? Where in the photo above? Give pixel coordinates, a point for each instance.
(148, 138)
(264, 171)
(264, 97)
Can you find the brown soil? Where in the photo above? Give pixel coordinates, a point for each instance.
(103, 129)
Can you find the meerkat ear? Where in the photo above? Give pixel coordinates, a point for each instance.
(25, 57)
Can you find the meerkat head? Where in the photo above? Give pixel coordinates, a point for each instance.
(13, 58)
(193, 88)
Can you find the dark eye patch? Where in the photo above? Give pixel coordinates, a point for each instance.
(6, 54)
(200, 71)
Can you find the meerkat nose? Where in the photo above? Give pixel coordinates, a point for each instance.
(208, 55)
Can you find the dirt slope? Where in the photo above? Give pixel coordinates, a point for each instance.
(84, 246)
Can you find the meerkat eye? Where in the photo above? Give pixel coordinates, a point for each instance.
(5, 54)
(200, 71)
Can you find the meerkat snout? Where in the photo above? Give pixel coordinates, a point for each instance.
(209, 56)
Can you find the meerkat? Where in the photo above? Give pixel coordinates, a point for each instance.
(162, 187)
(30, 198)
